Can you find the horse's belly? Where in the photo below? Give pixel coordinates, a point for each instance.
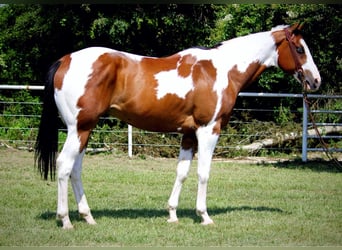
(154, 121)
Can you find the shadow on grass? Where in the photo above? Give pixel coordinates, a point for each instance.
(317, 165)
(153, 213)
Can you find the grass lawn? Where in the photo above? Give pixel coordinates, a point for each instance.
(276, 204)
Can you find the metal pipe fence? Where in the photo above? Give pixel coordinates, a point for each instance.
(109, 137)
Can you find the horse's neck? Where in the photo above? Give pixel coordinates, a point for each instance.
(243, 51)
(247, 57)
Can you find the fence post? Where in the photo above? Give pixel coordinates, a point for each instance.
(130, 146)
(305, 133)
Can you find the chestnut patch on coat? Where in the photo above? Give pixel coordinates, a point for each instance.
(204, 98)
(62, 70)
(156, 65)
(189, 141)
(236, 82)
(185, 65)
(97, 95)
(134, 99)
(239, 80)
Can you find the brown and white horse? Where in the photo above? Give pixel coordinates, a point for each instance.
(192, 92)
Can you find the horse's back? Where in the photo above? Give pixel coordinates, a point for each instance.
(156, 94)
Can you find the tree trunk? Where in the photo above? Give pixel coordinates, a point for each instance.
(281, 138)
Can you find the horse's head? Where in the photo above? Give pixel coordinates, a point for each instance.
(294, 57)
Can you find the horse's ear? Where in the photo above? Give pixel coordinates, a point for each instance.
(294, 27)
(300, 26)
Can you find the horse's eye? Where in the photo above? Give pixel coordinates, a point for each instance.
(300, 50)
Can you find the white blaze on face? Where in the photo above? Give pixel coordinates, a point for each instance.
(309, 65)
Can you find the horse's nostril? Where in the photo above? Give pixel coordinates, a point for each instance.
(316, 84)
(318, 81)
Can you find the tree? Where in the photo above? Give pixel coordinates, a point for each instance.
(154, 30)
(33, 36)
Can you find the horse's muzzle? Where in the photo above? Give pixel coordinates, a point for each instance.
(312, 86)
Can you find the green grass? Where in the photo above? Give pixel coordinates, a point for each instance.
(287, 204)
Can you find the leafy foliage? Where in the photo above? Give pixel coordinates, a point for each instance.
(32, 36)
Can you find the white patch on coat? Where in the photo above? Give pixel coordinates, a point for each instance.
(134, 57)
(241, 51)
(75, 80)
(169, 82)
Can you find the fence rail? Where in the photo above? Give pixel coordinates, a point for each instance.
(134, 132)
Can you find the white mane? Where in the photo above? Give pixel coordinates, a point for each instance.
(279, 27)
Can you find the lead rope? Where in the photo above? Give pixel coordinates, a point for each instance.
(325, 146)
(301, 77)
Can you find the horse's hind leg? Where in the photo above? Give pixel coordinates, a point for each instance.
(65, 163)
(188, 147)
(69, 164)
(77, 186)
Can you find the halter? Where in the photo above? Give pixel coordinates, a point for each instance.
(299, 68)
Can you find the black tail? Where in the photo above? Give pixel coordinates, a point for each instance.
(47, 140)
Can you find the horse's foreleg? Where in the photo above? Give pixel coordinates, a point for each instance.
(207, 140)
(184, 162)
(76, 182)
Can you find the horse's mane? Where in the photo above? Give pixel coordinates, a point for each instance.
(279, 27)
(208, 48)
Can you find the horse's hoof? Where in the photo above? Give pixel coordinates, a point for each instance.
(207, 222)
(171, 220)
(68, 226)
(172, 215)
(89, 219)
